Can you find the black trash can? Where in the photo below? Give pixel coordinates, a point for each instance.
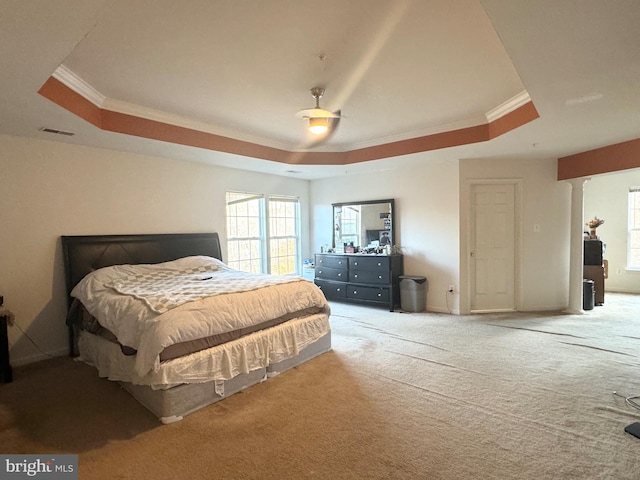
(413, 293)
(588, 294)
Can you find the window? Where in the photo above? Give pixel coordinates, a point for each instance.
(349, 218)
(283, 235)
(633, 242)
(245, 231)
(263, 233)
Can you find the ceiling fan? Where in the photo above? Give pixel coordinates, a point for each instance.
(320, 120)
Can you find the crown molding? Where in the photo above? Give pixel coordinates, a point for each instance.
(78, 85)
(492, 115)
(509, 106)
(75, 95)
(422, 132)
(134, 110)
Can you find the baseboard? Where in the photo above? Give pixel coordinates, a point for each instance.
(621, 290)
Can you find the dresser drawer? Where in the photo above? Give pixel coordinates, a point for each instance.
(332, 290)
(369, 270)
(355, 292)
(373, 264)
(369, 276)
(332, 261)
(328, 273)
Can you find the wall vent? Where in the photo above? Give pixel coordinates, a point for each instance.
(57, 132)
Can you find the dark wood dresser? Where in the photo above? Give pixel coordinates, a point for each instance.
(372, 279)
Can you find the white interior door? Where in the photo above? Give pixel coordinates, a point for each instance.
(492, 262)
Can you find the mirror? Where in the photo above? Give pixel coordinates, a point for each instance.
(362, 225)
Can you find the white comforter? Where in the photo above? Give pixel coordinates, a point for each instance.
(135, 323)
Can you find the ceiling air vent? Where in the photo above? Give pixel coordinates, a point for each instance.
(57, 132)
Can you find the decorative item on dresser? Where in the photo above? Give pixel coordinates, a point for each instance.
(362, 278)
(593, 224)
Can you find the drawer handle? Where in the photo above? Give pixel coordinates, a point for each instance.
(355, 292)
(379, 294)
(339, 262)
(356, 275)
(339, 274)
(355, 263)
(380, 277)
(319, 271)
(379, 264)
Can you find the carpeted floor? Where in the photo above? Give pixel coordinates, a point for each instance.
(401, 396)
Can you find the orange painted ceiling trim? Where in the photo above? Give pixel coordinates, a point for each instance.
(518, 117)
(108, 120)
(68, 99)
(612, 158)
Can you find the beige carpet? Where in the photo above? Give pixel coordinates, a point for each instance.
(401, 396)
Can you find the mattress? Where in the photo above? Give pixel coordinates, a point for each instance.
(80, 316)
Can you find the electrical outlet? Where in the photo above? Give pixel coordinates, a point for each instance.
(451, 289)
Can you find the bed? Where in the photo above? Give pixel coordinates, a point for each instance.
(178, 329)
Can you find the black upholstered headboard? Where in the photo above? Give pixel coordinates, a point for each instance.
(84, 254)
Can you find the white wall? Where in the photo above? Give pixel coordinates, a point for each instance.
(544, 254)
(431, 219)
(605, 197)
(426, 220)
(49, 189)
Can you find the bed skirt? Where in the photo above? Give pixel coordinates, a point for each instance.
(245, 362)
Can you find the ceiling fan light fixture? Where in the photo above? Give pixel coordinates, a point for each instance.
(318, 126)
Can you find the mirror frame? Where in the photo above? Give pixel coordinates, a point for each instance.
(391, 203)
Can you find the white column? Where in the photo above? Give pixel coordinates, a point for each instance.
(576, 253)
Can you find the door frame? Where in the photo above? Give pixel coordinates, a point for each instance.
(465, 239)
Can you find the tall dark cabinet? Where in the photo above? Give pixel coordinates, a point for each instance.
(594, 267)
